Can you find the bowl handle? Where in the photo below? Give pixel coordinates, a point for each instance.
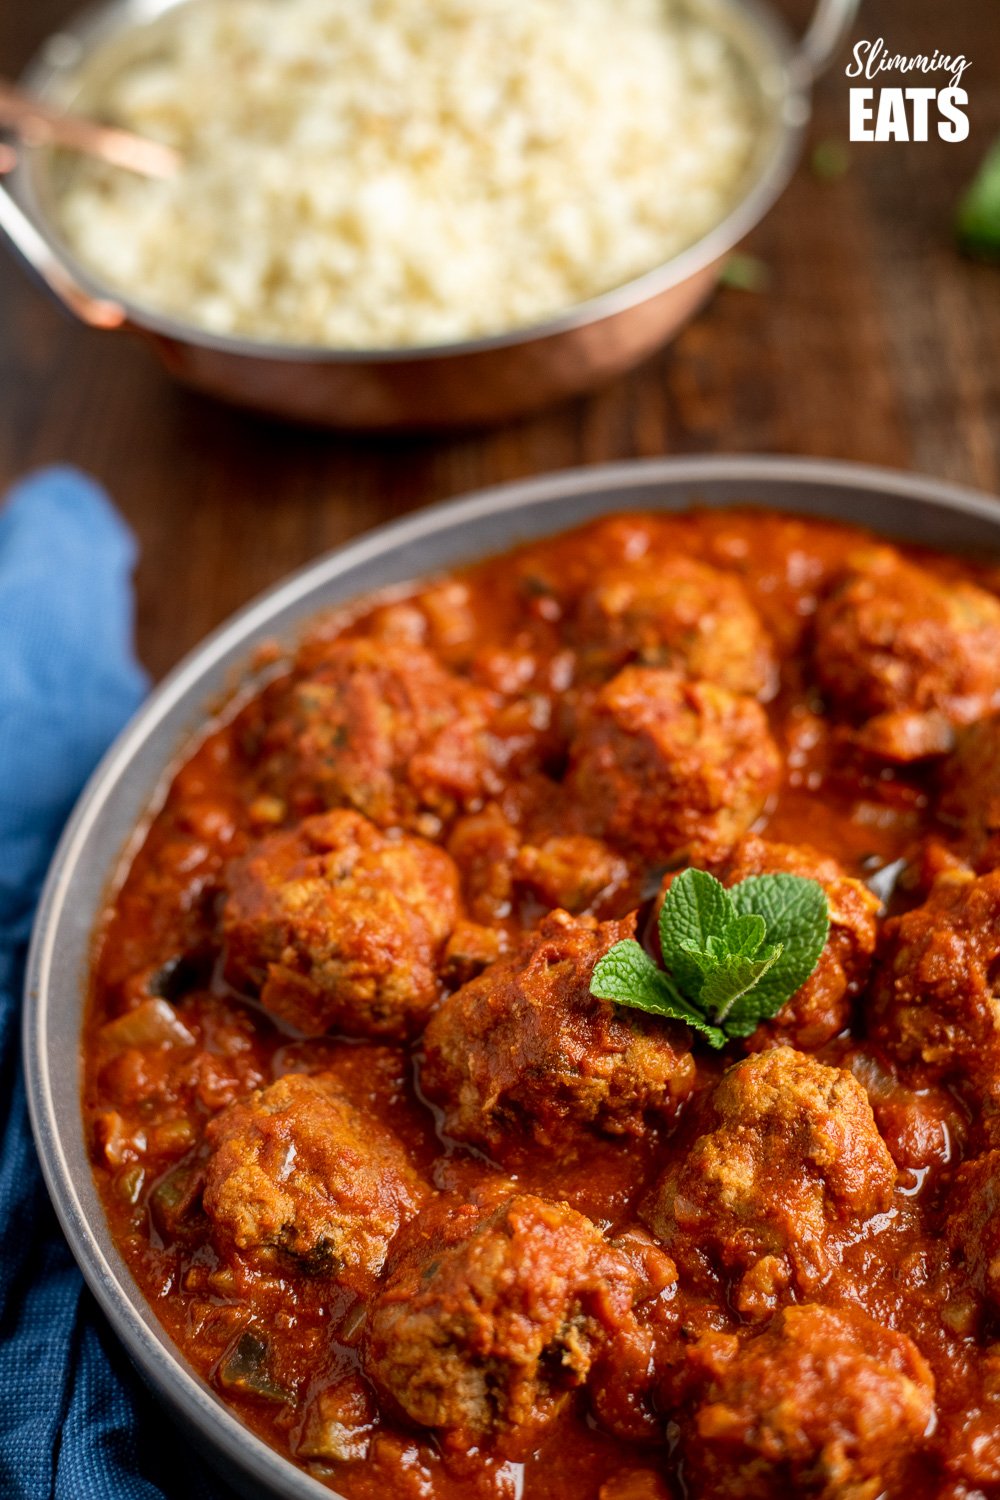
(828, 31)
(96, 312)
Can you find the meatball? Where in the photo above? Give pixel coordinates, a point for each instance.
(297, 1171)
(383, 728)
(823, 1402)
(972, 1230)
(969, 789)
(526, 1046)
(469, 950)
(677, 613)
(822, 1006)
(934, 1000)
(660, 764)
(905, 655)
(337, 924)
(571, 872)
(484, 1336)
(789, 1155)
(484, 846)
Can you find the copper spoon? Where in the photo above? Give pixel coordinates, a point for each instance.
(37, 124)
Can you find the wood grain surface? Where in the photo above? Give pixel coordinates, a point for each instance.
(874, 340)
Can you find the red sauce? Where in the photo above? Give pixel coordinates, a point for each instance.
(179, 1026)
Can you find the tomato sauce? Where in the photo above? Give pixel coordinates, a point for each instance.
(478, 714)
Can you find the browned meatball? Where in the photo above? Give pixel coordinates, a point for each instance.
(789, 1154)
(822, 1006)
(934, 1000)
(484, 846)
(824, 1402)
(972, 1230)
(678, 613)
(660, 764)
(571, 872)
(484, 1336)
(525, 1046)
(905, 654)
(969, 797)
(296, 1170)
(335, 924)
(469, 950)
(385, 729)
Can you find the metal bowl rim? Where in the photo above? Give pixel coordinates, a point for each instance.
(791, 110)
(754, 479)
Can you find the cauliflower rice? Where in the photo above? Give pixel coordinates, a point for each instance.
(376, 173)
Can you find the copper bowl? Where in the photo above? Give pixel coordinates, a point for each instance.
(459, 384)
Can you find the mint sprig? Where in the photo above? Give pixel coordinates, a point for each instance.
(731, 957)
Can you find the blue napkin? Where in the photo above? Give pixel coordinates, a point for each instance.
(75, 1424)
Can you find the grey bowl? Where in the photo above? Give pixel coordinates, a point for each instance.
(133, 775)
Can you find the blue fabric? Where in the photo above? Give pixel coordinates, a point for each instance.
(75, 1424)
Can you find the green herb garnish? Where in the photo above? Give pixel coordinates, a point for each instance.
(731, 957)
(745, 273)
(977, 222)
(829, 160)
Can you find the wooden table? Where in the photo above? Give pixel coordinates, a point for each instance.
(874, 341)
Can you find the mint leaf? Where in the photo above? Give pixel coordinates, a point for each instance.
(732, 957)
(732, 980)
(695, 909)
(706, 960)
(627, 975)
(797, 915)
(746, 934)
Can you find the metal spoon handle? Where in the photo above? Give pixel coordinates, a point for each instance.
(38, 124)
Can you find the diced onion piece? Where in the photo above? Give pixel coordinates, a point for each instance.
(244, 1368)
(154, 1023)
